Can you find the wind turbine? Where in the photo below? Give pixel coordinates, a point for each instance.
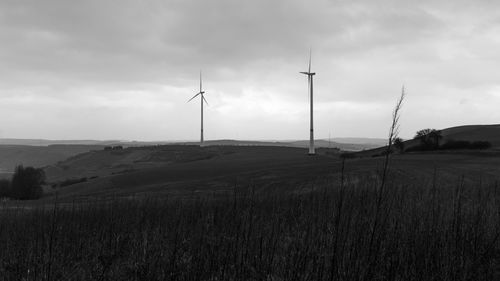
(201, 94)
(310, 84)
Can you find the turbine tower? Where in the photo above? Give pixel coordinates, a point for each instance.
(202, 99)
(310, 85)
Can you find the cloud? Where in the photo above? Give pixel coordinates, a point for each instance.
(104, 65)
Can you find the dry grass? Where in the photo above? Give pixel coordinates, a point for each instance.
(437, 231)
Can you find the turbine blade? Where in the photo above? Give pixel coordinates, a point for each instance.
(194, 97)
(204, 99)
(200, 80)
(310, 55)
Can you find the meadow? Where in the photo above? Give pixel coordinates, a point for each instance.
(430, 223)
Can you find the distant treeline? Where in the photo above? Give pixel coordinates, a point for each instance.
(452, 145)
(26, 184)
(430, 139)
(117, 147)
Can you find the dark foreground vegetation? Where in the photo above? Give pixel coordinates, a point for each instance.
(354, 229)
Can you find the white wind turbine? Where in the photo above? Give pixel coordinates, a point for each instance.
(201, 94)
(310, 84)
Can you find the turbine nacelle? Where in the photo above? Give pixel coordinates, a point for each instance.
(309, 73)
(199, 93)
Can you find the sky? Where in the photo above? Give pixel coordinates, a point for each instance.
(125, 69)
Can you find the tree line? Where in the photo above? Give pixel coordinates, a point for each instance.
(431, 139)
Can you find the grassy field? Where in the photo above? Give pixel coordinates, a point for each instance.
(184, 170)
(437, 217)
(38, 156)
(348, 230)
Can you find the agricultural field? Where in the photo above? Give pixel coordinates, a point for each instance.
(259, 213)
(323, 218)
(186, 170)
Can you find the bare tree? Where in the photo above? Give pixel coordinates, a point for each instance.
(393, 134)
(429, 138)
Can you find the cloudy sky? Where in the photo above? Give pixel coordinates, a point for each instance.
(124, 69)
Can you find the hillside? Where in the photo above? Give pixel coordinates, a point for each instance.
(44, 142)
(38, 156)
(342, 144)
(490, 133)
(184, 169)
(350, 144)
(39, 152)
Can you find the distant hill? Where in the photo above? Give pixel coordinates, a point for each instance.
(38, 156)
(43, 142)
(362, 141)
(40, 152)
(357, 144)
(181, 168)
(350, 144)
(490, 133)
(178, 170)
(370, 143)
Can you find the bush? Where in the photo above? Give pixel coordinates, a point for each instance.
(4, 188)
(480, 145)
(27, 183)
(418, 147)
(429, 138)
(72, 181)
(453, 144)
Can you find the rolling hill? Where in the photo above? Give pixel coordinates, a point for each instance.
(490, 133)
(471, 133)
(185, 169)
(177, 169)
(342, 144)
(38, 156)
(39, 152)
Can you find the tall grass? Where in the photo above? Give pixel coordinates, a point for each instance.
(434, 231)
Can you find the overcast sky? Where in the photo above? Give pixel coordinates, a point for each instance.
(124, 69)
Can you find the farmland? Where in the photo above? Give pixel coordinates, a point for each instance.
(187, 170)
(260, 213)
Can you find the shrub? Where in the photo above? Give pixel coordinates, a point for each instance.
(4, 188)
(419, 147)
(480, 145)
(453, 144)
(429, 138)
(72, 181)
(461, 144)
(27, 183)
